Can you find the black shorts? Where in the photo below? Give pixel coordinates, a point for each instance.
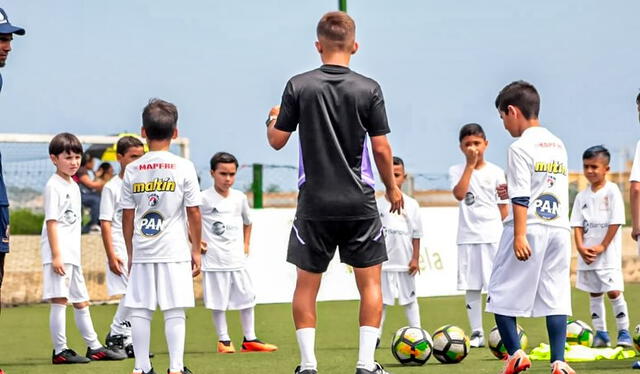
(312, 243)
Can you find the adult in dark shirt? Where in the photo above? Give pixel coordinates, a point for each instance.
(6, 36)
(7, 30)
(90, 188)
(334, 109)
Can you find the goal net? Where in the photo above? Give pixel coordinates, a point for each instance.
(26, 165)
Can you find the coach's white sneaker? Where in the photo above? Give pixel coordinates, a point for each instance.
(476, 340)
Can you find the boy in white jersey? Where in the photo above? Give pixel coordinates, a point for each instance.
(226, 231)
(530, 276)
(402, 233)
(598, 213)
(474, 185)
(160, 214)
(128, 149)
(63, 281)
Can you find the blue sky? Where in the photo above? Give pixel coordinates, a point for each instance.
(90, 66)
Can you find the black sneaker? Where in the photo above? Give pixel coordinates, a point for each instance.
(68, 356)
(185, 370)
(308, 371)
(378, 370)
(129, 351)
(105, 354)
(115, 343)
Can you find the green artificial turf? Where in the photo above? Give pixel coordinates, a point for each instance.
(25, 345)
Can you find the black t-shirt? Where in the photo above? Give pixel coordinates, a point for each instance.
(336, 109)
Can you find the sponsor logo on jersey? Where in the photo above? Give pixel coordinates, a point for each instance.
(547, 207)
(69, 217)
(551, 180)
(152, 223)
(553, 167)
(154, 199)
(218, 228)
(469, 198)
(156, 165)
(586, 226)
(156, 185)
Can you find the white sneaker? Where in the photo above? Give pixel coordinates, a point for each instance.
(476, 340)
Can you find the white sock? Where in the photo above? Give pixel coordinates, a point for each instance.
(175, 324)
(85, 326)
(120, 324)
(620, 312)
(306, 342)
(473, 299)
(220, 323)
(247, 318)
(598, 313)
(58, 327)
(412, 310)
(366, 352)
(382, 317)
(141, 335)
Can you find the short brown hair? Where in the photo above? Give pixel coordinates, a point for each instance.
(337, 28)
(159, 119)
(65, 142)
(522, 95)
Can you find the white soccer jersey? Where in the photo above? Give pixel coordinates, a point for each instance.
(595, 212)
(479, 219)
(62, 204)
(160, 186)
(110, 210)
(399, 232)
(537, 168)
(223, 220)
(635, 169)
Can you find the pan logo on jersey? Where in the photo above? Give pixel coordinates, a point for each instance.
(553, 167)
(156, 185)
(469, 198)
(69, 217)
(151, 223)
(547, 207)
(219, 228)
(154, 199)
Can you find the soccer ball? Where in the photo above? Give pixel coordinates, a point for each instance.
(411, 346)
(498, 349)
(450, 344)
(579, 333)
(636, 337)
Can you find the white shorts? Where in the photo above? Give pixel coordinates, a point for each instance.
(70, 286)
(167, 284)
(475, 262)
(599, 281)
(539, 286)
(117, 284)
(228, 290)
(400, 285)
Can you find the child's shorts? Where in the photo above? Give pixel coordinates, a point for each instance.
(71, 286)
(599, 281)
(539, 286)
(475, 263)
(398, 285)
(165, 284)
(228, 290)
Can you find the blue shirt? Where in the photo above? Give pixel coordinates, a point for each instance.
(4, 200)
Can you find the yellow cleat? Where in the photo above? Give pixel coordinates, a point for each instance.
(226, 347)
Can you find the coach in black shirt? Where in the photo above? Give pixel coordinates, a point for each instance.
(334, 109)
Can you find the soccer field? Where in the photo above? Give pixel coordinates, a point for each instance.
(25, 345)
